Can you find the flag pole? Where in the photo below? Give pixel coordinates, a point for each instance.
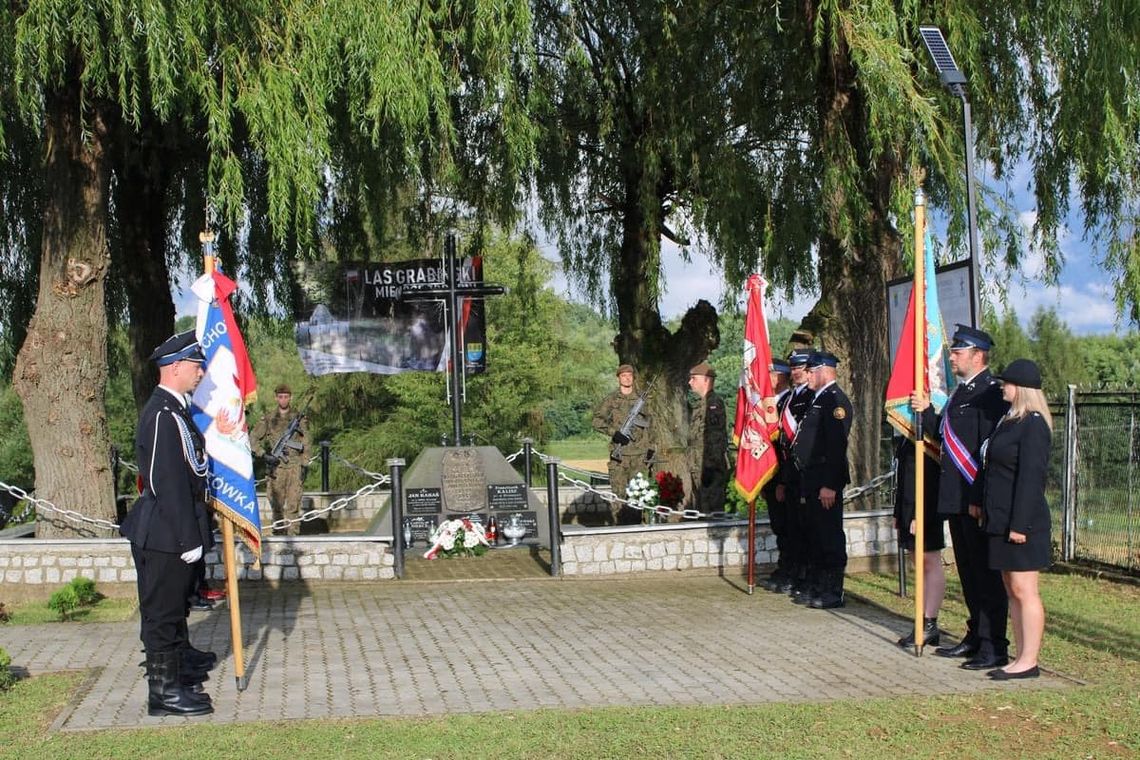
(751, 545)
(919, 446)
(206, 237)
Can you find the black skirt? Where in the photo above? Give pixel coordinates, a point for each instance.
(1035, 554)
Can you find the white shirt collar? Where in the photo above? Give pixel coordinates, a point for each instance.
(825, 387)
(181, 397)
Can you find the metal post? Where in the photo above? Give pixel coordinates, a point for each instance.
(1069, 497)
(116, 464)
(972, 213)
(552, 511)
(1131, 469)
(528, 463)
(456, 341)
(395, 469)
(325, 449)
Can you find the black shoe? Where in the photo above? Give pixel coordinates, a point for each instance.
(930, 634)
(965, 648)
(985, 662)
(201, 605)
(828, 601)
(1005, 675)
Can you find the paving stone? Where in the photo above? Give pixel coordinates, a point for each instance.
(436, 646)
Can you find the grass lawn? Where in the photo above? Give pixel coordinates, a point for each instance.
(1093, 634)
(578, 449)
(105, 611)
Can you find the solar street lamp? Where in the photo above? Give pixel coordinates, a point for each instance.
(955, 81)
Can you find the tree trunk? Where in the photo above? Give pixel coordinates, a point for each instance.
(61, 369)
(144, 167)
(850, 320)
(662, 357)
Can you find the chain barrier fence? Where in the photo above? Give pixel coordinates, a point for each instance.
(659, 512)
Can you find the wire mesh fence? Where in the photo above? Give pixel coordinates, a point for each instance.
(1100, 508)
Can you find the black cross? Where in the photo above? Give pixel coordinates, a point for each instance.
(451, 296)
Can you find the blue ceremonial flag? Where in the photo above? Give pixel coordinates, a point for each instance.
(219, 407)
(938, 378)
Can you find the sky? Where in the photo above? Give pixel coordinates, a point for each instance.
(1083, 295)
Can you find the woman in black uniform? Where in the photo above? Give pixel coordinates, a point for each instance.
(1015, 514)
(934, 537)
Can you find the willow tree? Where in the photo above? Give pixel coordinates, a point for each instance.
(668, 121)
(1051, 87)
(257, 83)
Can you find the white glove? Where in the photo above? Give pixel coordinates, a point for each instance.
(192, 556)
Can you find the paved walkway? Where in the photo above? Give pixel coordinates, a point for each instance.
(422, 648)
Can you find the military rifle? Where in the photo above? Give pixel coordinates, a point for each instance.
(634, 419)
(279, 454)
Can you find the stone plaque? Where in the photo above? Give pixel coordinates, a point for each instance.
(418, 530)
(526, 520)
(464, 481)
(510, 496)
(422, 501)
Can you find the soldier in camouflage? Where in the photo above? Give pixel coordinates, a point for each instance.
(284, 486)
(628, 454)
(708, 442)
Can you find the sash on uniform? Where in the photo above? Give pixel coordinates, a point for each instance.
(788, 422)
(953, 447)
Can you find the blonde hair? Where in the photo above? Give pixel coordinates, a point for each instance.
(1027, 401)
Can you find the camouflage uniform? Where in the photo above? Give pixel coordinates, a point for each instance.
(610, 415)
(708, 450)
(284, 486)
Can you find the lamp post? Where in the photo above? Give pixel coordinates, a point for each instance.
(955, 82)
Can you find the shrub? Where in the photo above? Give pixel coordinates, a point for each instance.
(64, 602)
(5, 616)
(85, 591)
(6, 676)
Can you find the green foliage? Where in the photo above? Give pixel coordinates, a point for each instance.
(78, 594)
(6, 676)
(16, 466)
(5, 616)
(64, 602)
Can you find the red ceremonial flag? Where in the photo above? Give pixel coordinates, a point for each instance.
(937, 378)
(757, 423)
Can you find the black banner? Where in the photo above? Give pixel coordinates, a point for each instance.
(350, 318)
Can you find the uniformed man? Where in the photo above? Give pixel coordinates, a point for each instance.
(168, 530)
(772, 492)
(630, 450)
(820, 450)
(792, 543)
(970, 415)
(708, 442)
(283, 486)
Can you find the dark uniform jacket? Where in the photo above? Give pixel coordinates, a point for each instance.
(820, 447)
(708, 429)
(904, 484)
(973, 410)
(1017, 462)
(799, 398)
(170, 513)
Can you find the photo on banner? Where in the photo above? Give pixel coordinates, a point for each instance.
(350, 317)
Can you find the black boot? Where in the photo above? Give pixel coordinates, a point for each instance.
(196, 659)
(807, 587)
(831, 591)
(167, 695)
(930, 635)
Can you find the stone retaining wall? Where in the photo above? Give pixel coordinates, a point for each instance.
(32, 568)
(630, 549)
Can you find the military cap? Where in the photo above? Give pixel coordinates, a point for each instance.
(180, 347)
(799, 357)
(626, 368)
(1023, 373)
(781, 367)
(704, 368)
(971, 337)
(822, 359)
(283, 388)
